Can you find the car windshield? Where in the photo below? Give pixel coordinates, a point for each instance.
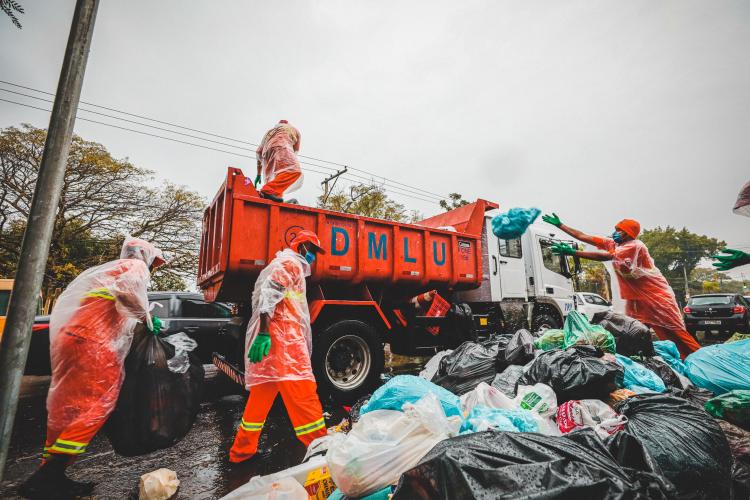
(711, 300)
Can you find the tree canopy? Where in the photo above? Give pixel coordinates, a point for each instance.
(103, 199)
(368, 200)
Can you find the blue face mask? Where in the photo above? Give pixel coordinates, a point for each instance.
(310, 257)
(617, 237)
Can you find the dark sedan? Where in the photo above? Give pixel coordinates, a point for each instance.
(725, 313)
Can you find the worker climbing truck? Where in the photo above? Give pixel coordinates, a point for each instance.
(360, 292)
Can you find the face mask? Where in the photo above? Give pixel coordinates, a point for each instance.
(310, 257)
(617, 237)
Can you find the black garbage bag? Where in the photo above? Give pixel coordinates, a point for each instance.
(525, 465)
(575, 373)
(356, 410)
(686, 443)
(156, 406)
(507, 381)
(471, 363)
(632, 337)
(693, 394)
(739, 443)
(518, 351)
(664, 371)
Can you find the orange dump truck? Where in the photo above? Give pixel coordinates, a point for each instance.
(359, 291)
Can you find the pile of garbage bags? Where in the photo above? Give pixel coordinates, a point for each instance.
(605, 412)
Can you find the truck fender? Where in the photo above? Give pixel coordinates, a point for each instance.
(343, 308)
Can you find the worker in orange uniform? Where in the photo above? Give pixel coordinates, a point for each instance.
(91, 329)
(277, 159)
(279, 345)
(647, 294)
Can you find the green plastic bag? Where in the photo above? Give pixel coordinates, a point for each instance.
(578, 330)
(550, 339)
(732, 406)
(737, 337)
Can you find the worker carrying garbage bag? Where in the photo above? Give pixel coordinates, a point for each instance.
(647, 294)
(91, 329)
(279, 345)
(277, 160)
(728, 258)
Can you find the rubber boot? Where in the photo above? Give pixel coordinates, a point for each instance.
(50, 482)
(271, 197)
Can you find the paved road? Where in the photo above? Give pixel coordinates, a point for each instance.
(199, 459)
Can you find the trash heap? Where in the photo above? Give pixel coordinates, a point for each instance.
(589, 411)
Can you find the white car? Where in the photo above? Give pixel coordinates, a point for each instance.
(591, 303)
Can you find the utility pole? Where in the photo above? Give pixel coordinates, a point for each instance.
(333, 177)
(14, 346)
(687, 285)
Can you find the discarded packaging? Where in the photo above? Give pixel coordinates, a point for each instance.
(518, 351)
(578, 331)
(720, 368)
(550, 339)
(507, 381)
(160, 484)
(431, 367)
(732, 406)
(632, 337)
(619, 395)
(593, 413)
(403, 389)
(471, 363)
(288, 483)
(319, 484)
(513, 223)
(638, 378)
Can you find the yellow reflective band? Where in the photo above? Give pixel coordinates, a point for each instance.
(308, 428)
(67, 447)
(252, 426)
(101, 293)
(291, 294)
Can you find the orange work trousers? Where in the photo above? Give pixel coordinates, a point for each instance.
(682, 338)
(85, 385)
(301, 401)
(281, 183)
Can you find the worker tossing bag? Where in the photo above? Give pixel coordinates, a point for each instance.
(160, 396)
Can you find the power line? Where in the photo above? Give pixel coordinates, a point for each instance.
(426, 192)
(393, 189)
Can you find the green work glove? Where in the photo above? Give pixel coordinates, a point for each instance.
(257, 181)
(563, 249)
(155, 325)
(734, 258)
(552, 219)
(259, 349)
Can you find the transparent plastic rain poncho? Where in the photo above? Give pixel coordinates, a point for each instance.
(91, 329)
(648, 296)
(280, 292)
(277, 153)
(742, 206)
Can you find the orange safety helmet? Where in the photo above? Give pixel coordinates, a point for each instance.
(306, 236)
(630, 227)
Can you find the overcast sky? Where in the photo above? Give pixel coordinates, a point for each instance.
(597, 110)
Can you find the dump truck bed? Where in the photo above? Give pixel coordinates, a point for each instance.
(242, 233)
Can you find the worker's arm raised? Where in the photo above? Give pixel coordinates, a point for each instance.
(554, 219)
(565, 249)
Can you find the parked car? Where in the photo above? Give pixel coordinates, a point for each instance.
(185, 312)
(724, 313)
(591, 303)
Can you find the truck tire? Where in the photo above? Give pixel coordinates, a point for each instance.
(347, 360)
(544, 321)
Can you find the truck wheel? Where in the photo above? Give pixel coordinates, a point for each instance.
(347, 360)
(544, 321)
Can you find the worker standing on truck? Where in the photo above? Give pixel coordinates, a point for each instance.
(647, 294)
(91, 329)
(279, 345)
(736, 258)
(277, 160)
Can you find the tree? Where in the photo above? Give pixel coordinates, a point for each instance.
(678, 252)
(10, 7)
(709, 280)
(594, 278)
(103, 199)
(454, 200)
(370, 201)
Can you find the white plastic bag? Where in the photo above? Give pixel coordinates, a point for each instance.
(431, 367)
(539, 398)
(589, 413)
(262, 487)
(485, 395)
(383, 444)
(160, 484)
(180, 362)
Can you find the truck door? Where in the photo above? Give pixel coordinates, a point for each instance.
(554, 275)
(512, 268)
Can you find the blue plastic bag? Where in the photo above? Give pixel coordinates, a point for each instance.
(513, 223)
(410, 389)
(383, 494)
(638, 378)
(669, 353)
(720, 368)
(482, 418)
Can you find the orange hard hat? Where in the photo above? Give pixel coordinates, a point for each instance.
(306, 236)
(630, 227)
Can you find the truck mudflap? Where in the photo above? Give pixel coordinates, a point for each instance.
(228, 369)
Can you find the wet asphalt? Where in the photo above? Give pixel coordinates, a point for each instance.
(199, 459)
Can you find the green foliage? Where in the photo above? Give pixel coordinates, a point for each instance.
(10, 7)
(676, 250)
(594, 278)
(370, 201)
(454, 200)
(103, 199)
(709, 280)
